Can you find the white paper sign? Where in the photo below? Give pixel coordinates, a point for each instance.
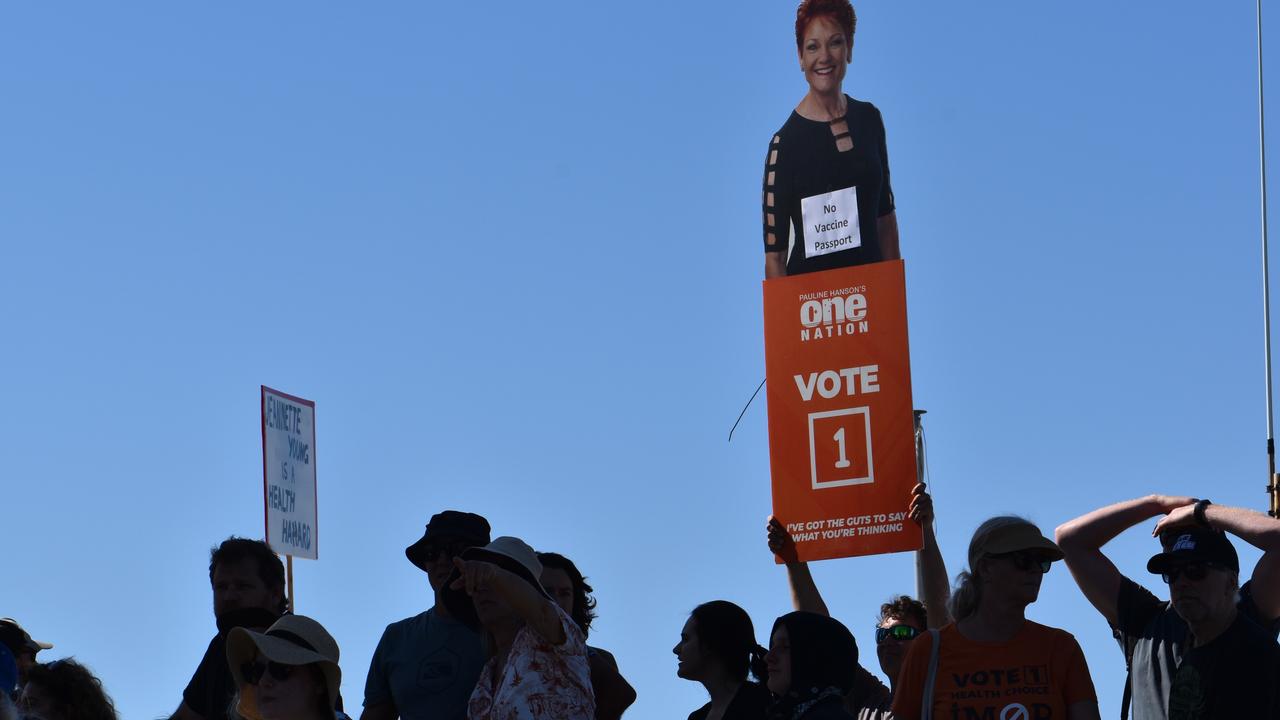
(831, 222)
(289, 473)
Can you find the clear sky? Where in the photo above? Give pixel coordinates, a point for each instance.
(512, 251)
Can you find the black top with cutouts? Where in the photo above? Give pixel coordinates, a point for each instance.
(810, 158)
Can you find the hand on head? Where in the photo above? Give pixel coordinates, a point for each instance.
(1184, 516)
(921, 508)
(780, 541)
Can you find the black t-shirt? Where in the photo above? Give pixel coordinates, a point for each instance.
(751, 702)
(811, 186)
(212, 688)
(1237, 675)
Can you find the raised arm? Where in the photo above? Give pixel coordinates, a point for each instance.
(804, 593)
(1255, 528)
(1082, 539)
(931, 572)
(537, 611)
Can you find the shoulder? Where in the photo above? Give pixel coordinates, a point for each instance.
(701, 712)
(793, 125)
(399, 629)
(1057, 638)
(601, 658)
(1249, 609)
(861, 110)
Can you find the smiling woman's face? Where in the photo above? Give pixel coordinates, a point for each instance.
(824, 55)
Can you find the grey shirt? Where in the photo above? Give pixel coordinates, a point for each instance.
(427, 666)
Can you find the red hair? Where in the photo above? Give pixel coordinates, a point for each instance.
(838, 10)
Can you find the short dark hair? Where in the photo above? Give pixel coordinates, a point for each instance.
(584, 606)
(726, 632)
(74, 690)
(238, 549)
(904, 607)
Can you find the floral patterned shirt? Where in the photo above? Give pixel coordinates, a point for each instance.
(539, 681)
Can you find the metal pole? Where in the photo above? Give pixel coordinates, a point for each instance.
(919, 427)
(1273, 487)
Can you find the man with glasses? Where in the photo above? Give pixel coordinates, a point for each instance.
(1209, 652)
(426, 666)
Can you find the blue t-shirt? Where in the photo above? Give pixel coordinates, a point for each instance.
(427, 666)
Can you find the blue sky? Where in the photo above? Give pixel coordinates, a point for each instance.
(513, 254)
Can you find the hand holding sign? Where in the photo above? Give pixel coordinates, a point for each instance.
(921, 508)
(780, 541)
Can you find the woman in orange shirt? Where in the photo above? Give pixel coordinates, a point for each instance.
(992, 661)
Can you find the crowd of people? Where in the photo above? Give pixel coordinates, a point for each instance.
(506, 635)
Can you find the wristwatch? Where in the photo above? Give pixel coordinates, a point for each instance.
(1199, 513)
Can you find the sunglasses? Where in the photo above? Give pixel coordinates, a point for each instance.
(253, 671)
(449, 549)
(1025, 560)
(1195, 572)
(901, 633)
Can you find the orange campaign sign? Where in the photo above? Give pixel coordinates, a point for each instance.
(841, 431)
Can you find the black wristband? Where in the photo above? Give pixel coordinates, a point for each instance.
(1199, 513)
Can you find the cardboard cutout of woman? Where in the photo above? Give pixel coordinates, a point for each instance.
(827, 199)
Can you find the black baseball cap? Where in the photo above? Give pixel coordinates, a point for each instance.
(1194, 545)
(18, 640)
(469, 528)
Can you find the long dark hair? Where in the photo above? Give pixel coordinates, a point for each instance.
(76, 693)
(584, 606)
(726, 632)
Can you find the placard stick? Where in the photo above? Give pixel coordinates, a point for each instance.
(289, 575)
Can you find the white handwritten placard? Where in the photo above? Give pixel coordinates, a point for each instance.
(289, 473)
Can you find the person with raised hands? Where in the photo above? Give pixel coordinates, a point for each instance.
(1210, 651)
(537, 667)
(718, 648)
(901, 619)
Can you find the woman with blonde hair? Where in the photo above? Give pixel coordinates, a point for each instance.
(992, 660)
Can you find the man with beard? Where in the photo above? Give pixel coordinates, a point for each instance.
(1209, 652)
(248, 591)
